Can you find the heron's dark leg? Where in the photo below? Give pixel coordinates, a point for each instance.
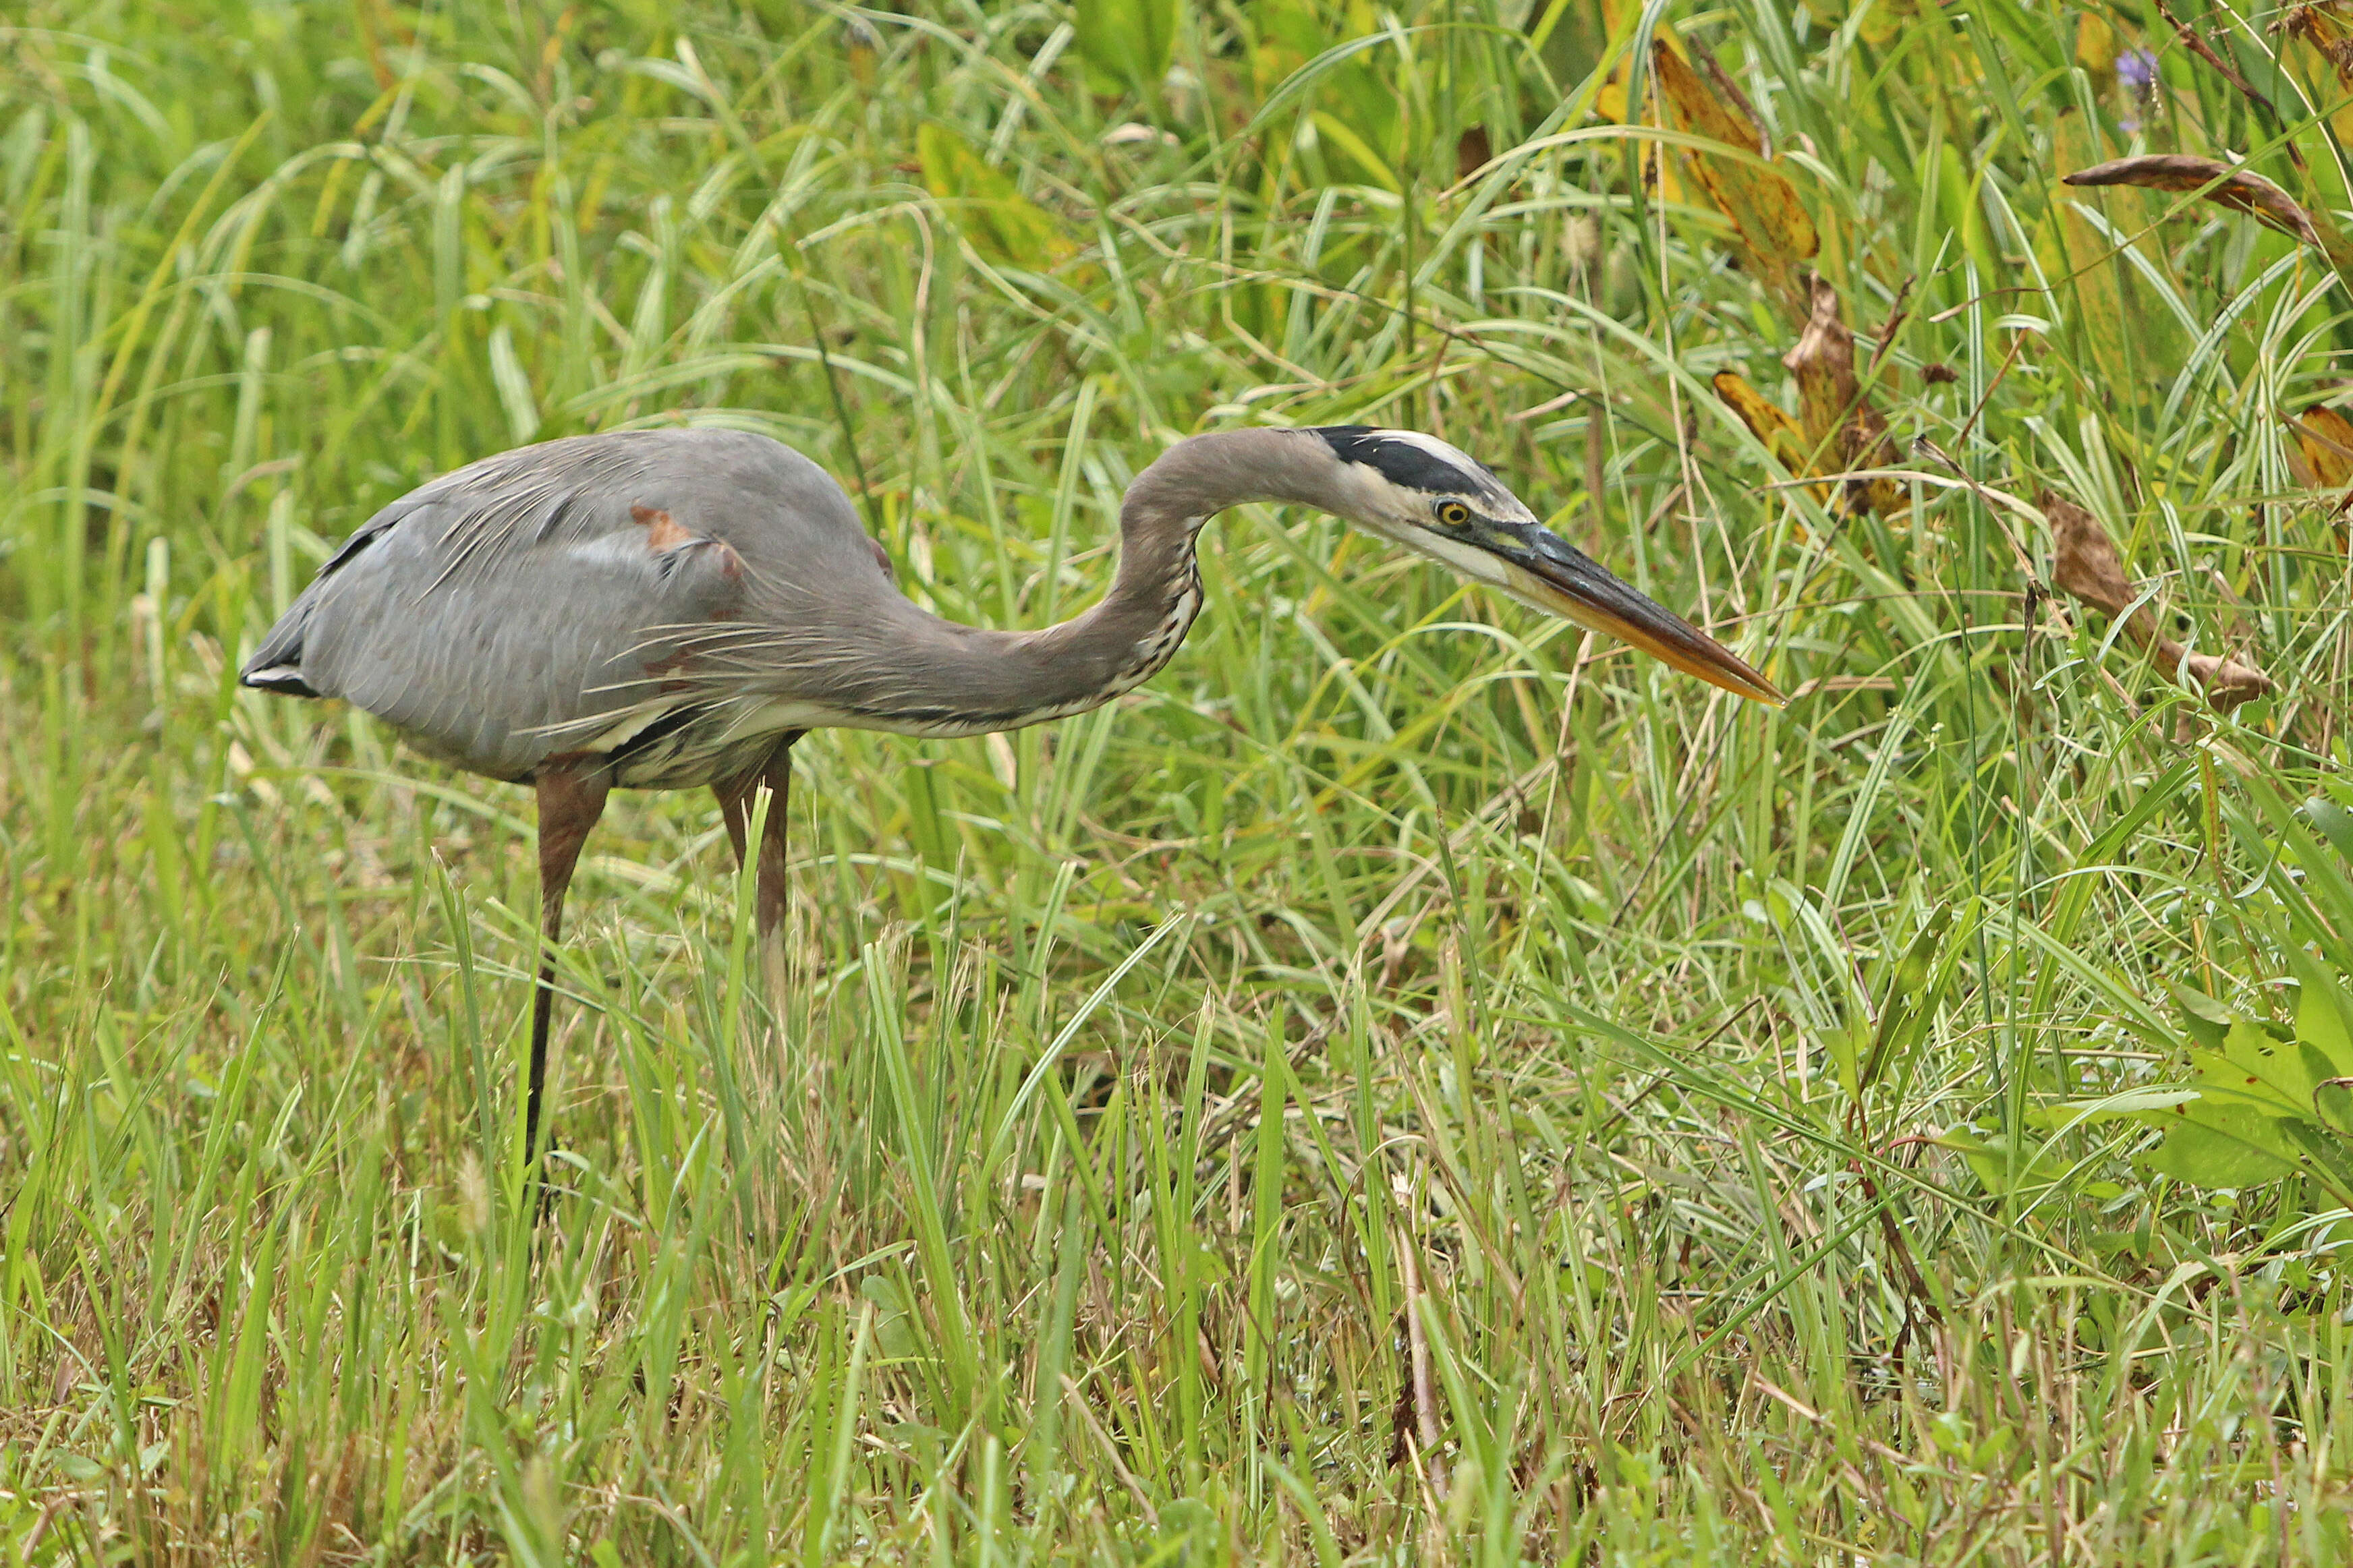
(571, 799)
(778, 776)
(734, 798)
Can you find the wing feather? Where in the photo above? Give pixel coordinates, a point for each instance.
(527, 601)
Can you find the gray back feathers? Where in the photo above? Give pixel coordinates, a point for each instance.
(497, 613)
(675, 599)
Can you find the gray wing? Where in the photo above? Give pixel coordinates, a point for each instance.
(498, 613)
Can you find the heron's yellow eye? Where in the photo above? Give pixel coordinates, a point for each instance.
(1453, 513)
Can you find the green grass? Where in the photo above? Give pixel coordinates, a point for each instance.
(1411, 1083)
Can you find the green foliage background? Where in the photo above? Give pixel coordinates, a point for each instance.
(1411, 1083)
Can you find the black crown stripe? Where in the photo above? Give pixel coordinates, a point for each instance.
(1402, 462)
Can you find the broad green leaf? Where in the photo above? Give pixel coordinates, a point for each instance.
(893, 1323)
(1845, 1045)
(2138, 1103)
(1125, 45)
(1990, 1157)
(2223, 1146)
(2255, 1071)
(2325, 1155)
(1289, 33)
(2320, 1012)
(2334, 1101)
(2207, 1021)
(1343, 135)
(1914, 990)
(2119, 321)
(2335, 823)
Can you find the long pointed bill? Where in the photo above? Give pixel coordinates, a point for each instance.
(1545, 570)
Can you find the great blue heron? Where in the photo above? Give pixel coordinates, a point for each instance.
(661, 609)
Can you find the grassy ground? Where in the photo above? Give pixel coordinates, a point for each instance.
(1411, 1083)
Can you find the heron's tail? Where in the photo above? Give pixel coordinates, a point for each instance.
(276, 664)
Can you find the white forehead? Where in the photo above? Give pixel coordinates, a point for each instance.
(1436, 448)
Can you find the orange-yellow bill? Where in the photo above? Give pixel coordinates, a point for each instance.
(1545, 570)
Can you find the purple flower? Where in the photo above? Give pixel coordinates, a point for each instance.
(2136, 68)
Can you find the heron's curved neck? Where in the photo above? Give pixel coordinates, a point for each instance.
(971, 681)
(1154, 599)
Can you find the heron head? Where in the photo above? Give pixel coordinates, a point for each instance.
(1416, 490)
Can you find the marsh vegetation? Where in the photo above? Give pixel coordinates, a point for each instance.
(1411, 1082)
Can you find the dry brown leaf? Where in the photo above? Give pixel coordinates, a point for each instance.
(2087, 566)
(1775, 236)
(1472, 152)
(2320, 45)
(2218, 182)
(1837, 417)
(2324, 31)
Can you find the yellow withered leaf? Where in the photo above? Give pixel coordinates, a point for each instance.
(1882, 22)
(1609, 106)
(1775, 235)
(2324, 439)
(2105, 299)
(1766, 419)
(1770, 424)
(2095, 44)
